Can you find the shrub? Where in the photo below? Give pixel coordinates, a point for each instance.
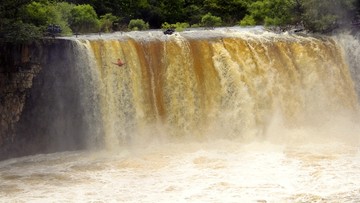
(248, 20)
(19, 32)
(37, 13)
(208, 20)
(177, 26)
(42, 14)
(195, 25)
(106, 22)
(84, 19)
(64, 16)
(322, 16)
(166, 25)
(138, 24)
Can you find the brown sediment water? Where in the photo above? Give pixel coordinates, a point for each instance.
(205, 116)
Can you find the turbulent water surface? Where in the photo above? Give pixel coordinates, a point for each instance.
(216, 171)
(205, 116)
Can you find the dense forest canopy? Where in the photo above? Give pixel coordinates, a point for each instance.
(26, 20)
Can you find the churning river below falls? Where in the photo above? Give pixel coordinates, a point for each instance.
(214, 171)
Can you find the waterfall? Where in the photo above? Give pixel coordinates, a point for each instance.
(228, 85)
(351, 46)
(199, 116)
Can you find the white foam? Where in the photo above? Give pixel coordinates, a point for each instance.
(216, 171)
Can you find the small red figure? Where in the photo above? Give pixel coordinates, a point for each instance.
(119, 63)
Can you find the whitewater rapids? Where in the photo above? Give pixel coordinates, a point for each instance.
(205, 171)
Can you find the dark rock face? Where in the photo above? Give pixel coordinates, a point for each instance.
(40, 105)
(13, 91)
(17, 72)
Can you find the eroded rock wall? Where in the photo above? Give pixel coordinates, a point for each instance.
(40, 105)
(13, 91)
(17, 71)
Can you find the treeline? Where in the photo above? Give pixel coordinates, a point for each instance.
(26, 20)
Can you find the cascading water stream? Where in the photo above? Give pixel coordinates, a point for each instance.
(198, 116)
(227, 86)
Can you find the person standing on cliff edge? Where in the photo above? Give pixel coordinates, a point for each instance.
(119, 62)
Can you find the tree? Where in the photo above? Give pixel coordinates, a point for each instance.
(9, 8)
(248, 20)
(193, 11)
(325, 16)
(19, 32)
(64, 16)
(138, 24)
(208, 20)
(179, 27)
(279, 13)
(107, 21)
(270, 13)
(157, 12)
(172, 10)
(42, 14)
(12, 29)
(84, 19)
(231, 11)
(37, 13)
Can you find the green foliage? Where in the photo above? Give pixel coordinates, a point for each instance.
(12, 27)
(84, 19)
(248, 20)
(193, 13)
(179, 27)
(106, 22)
(195, 25)
(64, 16)
(37, 13)
(42, 14)
(19, 32)
(127, 9)
(138, 24)
(166, 25)
(172, 9)
(231, 11)
(325, 16)
(23, 20)
(269, 13)
(9, 9)
(208, 20)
